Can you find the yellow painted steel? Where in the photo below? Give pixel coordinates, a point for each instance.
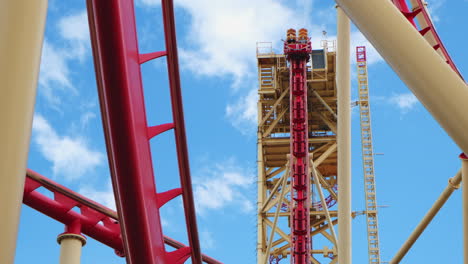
(453, 184)
(429, 77)
(21, 31)
(370, 189)
(70, 248)
(464, 171)
(343, 83)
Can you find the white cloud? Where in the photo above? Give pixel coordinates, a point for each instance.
(222, 38)
(54, 74)
(223, 184)
(75, 30)
(206, 239)
(243, 113)
(70, 156)
(104, 197)
(404, 101)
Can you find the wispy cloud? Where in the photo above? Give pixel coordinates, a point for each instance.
(75, 30)
(405, 101)
(206, 239)
(54, 74)
(222, 38)
(104, 196)
(221, 185)
(55, 78)
(434, 8)
(71, 157)
(243, 113)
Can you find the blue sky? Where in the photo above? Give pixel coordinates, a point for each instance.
(217, 41)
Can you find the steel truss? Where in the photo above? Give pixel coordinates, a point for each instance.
(275, 174)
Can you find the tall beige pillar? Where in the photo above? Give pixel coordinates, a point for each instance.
(21, 33)
(343, 84)
(429, 77)
(464, 159)
(70, 248)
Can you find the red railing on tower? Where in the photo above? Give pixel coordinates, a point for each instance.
(117, 63)
(297, 50)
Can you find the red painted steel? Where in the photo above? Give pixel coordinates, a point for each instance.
(360, 53)
(180, 136)
(430, 29)
(297, 51)
(92, 219)
(117, 62)
(95, 220)
(116, 59)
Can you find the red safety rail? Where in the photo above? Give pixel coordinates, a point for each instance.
(421, 9)
(94, 220)
(117, 63)
(297, 51)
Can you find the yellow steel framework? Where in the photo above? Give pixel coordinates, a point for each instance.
(274, 146)
(368, 158)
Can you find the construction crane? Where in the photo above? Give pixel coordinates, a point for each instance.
(367, 157)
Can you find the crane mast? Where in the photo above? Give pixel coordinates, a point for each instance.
(367, 157)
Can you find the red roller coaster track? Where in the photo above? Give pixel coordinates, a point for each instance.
(93, 219)
(297, 52)
(429, 29)
(117, 63)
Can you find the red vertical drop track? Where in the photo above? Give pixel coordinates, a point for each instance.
(117, 64)
(297, 51)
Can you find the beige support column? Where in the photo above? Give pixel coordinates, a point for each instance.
(464, 169)
(454, 183)
(343, 84)
(21, 32)
(70, 248)
(431, 79)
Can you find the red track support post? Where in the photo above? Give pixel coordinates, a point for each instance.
(297, 50)
(117, 63)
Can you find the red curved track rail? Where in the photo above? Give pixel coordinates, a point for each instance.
(117, 63)
(297, 53)
(93, 219)
(420, 9)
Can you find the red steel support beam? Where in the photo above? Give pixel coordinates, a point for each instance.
(117, 63)
(89, 216)
(181, 139)
(297, 51)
